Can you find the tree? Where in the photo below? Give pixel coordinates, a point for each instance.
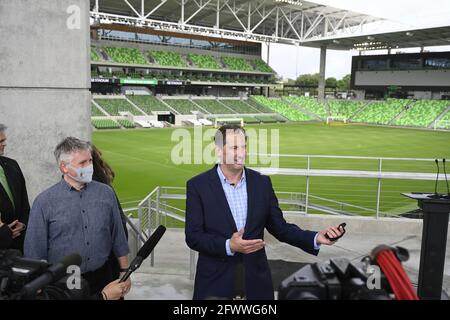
(331, 82)
(308, 80)
(344, 83)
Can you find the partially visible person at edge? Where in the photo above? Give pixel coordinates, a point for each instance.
(103, 173)
(14, 205)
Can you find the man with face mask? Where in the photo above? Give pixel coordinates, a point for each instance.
(78, 215)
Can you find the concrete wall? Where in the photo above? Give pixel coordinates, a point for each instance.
(44, 82)
(426, 78)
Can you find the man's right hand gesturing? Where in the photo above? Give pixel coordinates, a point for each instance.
(237, 244)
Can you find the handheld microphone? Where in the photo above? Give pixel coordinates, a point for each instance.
(144, 252)
(239, 282)
(52, 274)
(446, 181)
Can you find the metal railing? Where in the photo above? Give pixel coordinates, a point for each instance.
(158, 208)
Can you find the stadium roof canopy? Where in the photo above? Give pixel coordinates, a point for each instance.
(428, 37)
(283, 21)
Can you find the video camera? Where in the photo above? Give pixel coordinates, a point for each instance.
(23, 278)
(341, 279)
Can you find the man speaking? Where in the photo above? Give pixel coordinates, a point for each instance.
(227, 209)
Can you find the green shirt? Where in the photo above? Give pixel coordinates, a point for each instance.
(5, 185)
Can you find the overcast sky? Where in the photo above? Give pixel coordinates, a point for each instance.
(291, 61)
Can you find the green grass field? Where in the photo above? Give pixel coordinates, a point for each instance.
(141, 160)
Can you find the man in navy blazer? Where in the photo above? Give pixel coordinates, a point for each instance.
(227, 209)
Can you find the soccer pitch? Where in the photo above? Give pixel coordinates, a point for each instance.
(141, 160)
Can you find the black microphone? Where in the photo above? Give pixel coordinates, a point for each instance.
(436, 195)
(239, 282)
(446, 181)
(52, 274)
(144, 252)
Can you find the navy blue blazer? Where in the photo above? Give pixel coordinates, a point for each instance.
(209, 223)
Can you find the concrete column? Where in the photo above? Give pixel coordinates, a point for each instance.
(44, 82)
(323, 57)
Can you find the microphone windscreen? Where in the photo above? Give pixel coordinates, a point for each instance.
(148, 246)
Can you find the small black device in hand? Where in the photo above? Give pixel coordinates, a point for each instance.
(341, 226)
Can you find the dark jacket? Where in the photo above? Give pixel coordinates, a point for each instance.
(5, 237)
(209, 223)
(21, 208)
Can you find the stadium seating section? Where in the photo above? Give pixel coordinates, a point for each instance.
(183, 106)
(239, 106)
(381, 112)
(105, 124)
(126, 123)
(262, 66)
(114, 106)
(251, 101)
(344, 108)
(95, 112)
(422, 113)
(148, 103)
(214, 106)
(444, 123)
(234, 63)
(309, 104)
(282, 108)
(94, 55)
(126, 55)
(204, 61)
(168, 58)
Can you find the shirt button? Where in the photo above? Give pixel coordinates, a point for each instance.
(85, 227)
(83, 211)
(87, 243)
(88, 259)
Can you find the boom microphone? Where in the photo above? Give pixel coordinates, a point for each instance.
(144, 252)
(52, 274)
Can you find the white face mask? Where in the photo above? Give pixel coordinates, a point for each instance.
(84, 174)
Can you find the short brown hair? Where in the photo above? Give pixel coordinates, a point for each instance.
(221, 134)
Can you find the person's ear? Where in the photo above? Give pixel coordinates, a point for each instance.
(63, 167)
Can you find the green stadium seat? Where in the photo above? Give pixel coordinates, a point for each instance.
(239, 106)
(262, 66)
(204, 61)
(104, 124)
(310, 104)
(282, 108)
(126, 55)
(183, 106)
(115, 106)
(126, 123)
(422, 113)
(381, 112)
(234, 63)
(95, 112)
(213, 106)
(168, 58)
(148, 104)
